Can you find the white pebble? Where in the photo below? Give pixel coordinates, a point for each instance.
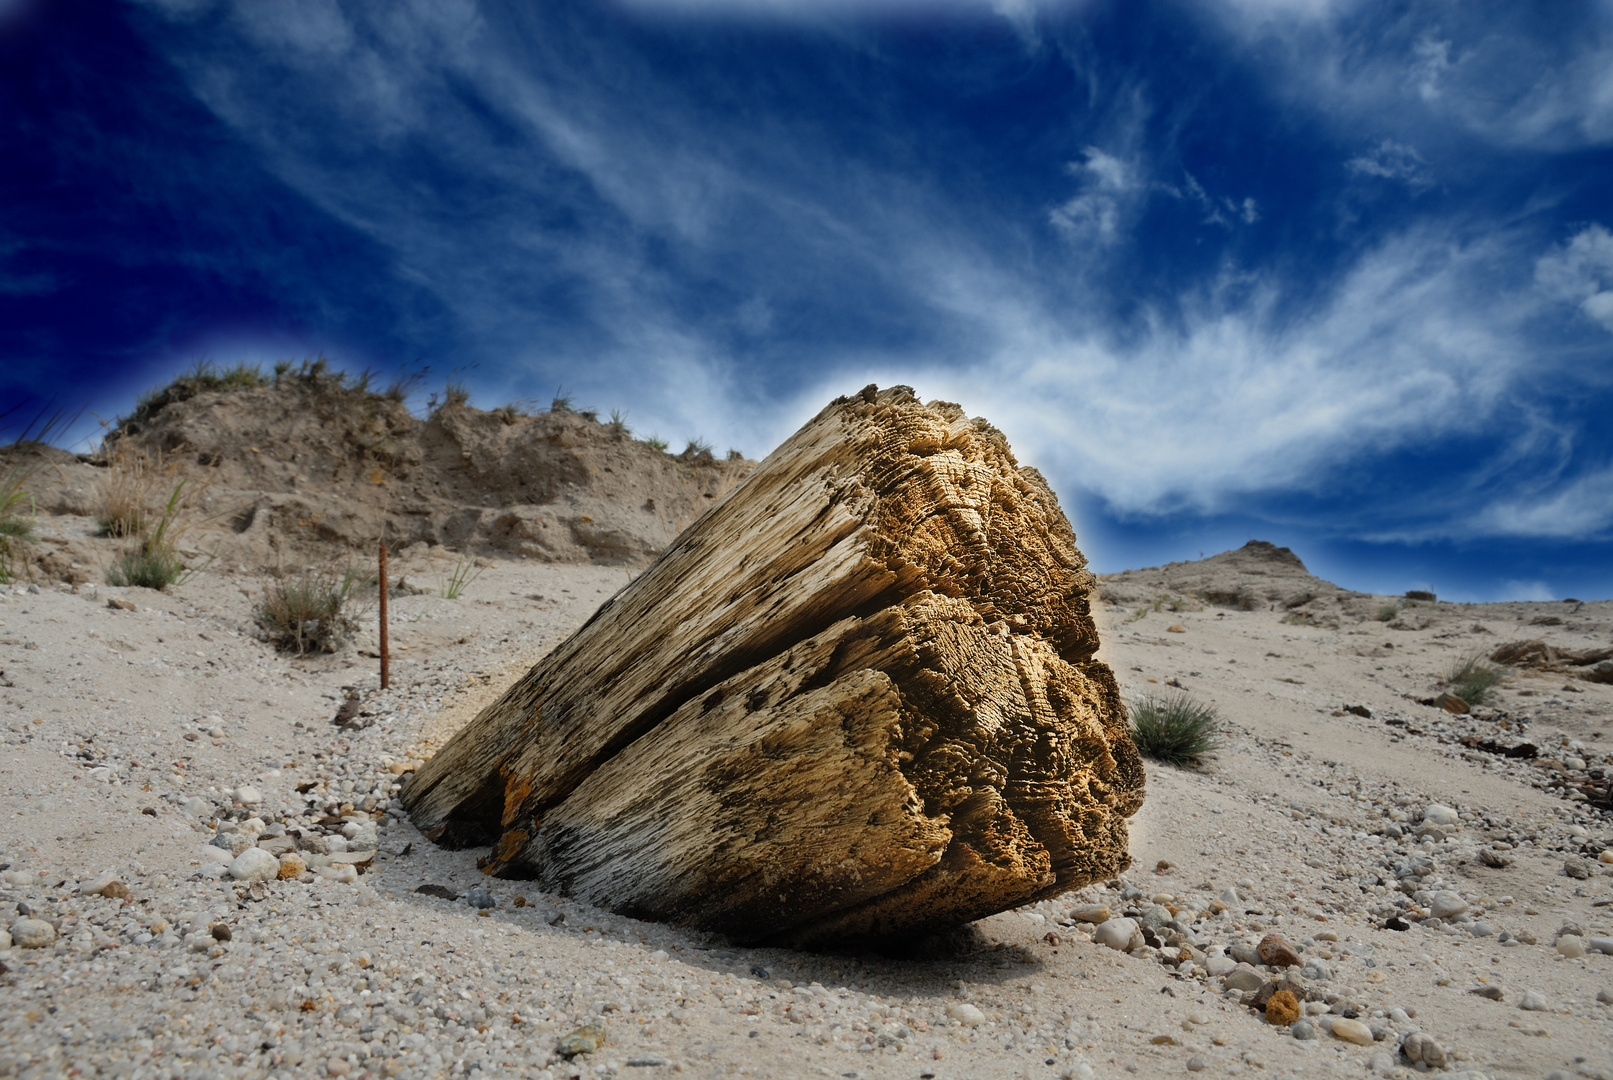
(103, 881)
(32, 933)
(247, 795)
(1446, 904)
(1571, 946)
(1352, 1031)
(1440, 814)
(1533, 1001)
(966, 1014)
(1116, 933)
(255, 864)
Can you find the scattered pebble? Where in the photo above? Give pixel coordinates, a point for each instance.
(584, 1040)
(1440, 814)
(1244, 979)
(1116, 933)
(32, 933)
(1533, 1001)
(255, 864)
(1446, 904)
(1353, 1031)
(1276, 952)
(1421, 1047)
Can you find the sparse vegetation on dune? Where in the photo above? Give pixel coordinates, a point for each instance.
(153, 560)
(17, 507)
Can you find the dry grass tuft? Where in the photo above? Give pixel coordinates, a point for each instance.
(17, 509)
(314, 611)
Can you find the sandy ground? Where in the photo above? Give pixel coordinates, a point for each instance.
(127, 736)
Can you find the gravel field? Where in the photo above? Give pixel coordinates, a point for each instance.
(204, 874)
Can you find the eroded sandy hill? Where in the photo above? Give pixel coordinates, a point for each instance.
(309, 464)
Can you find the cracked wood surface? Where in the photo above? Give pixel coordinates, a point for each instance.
(855, 699)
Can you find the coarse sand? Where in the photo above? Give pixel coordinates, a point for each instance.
(144, 746)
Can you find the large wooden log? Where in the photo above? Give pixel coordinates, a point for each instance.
(857, 698)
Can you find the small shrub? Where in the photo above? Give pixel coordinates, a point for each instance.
(1387, 612)
(310, 612)
(561, 403)
(697, 450)
(655, 442)
(735, 455)
(154, 562)
(618, 424)
(459, 578)
(456, 393)
(146, 567)
(1174, 729)
(1472, 679)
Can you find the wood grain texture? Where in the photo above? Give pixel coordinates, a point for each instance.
(855, 699)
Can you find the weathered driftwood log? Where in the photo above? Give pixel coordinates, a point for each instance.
(857, 698)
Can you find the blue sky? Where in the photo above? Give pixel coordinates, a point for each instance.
(1334, 274)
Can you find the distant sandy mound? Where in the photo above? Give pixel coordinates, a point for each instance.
(308, 460)
(1257, 575)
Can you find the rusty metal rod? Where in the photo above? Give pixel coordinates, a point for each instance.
(386, 674)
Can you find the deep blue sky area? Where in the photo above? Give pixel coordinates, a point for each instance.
(1330, 273)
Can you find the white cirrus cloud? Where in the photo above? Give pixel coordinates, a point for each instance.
(1110, 187)
(1581, 272)
(1391, 160)
(1497, 73)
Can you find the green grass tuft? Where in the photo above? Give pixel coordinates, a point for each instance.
(1387, 612)
(459, 578)
(1472, 679)
(146, 567)
(1174, 729)
(154, 562)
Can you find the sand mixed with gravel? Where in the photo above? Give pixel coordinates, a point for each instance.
(153, 755)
